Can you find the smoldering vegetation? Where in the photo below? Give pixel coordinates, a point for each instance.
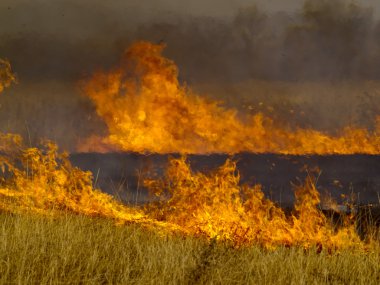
(314, 67)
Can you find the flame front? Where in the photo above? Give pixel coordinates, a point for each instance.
(147, 110)
(212, 205)
(43, 181)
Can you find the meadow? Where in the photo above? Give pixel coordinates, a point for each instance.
(74, 249)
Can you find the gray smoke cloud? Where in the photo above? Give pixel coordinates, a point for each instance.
(210, 40)
(312, 63)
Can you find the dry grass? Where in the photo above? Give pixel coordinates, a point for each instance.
(82, 250)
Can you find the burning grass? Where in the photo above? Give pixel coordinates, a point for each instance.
(42, 180)
(146, 109)
(203, 228)
(215, 205)
(212, 206)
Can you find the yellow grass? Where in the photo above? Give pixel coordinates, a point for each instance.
(75, 249)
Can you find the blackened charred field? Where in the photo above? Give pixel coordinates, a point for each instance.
(358, 175)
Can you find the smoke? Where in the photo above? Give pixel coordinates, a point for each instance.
(326, 40)
(321, 40)
(313, 65)
(6, 75)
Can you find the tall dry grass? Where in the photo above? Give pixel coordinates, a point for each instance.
(81, 250)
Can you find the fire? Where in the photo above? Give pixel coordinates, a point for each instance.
(216, 206)
(213, 206)
(146, 109)
(43, 181)
(6, 74)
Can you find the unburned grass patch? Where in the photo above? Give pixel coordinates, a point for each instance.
(75, 249)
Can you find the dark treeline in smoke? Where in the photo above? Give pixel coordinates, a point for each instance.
(328, 39)
(324, 39)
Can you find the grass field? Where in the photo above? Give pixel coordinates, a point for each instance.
(82, 250)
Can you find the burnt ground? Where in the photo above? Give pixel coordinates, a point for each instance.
(121, 174)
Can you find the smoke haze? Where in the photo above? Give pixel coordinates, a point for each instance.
(312, 63)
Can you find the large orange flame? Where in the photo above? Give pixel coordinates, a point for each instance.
(147, 110)
(43, 181)
(214, 206)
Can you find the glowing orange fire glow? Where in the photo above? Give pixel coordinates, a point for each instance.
(43, 181)
(214, 206)
(147, 110)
